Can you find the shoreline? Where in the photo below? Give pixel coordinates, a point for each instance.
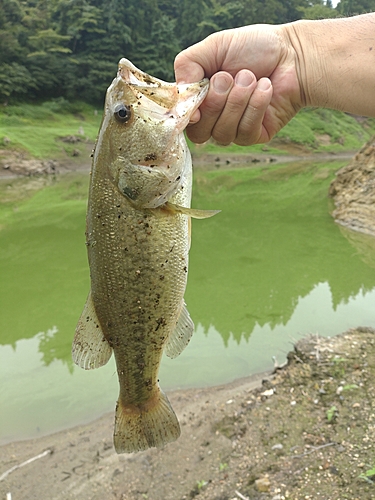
(175, 395)
(262, 436)
(13, 164)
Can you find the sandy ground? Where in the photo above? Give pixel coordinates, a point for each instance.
(305, 432)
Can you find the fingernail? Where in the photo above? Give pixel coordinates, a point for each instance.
(221, 83)
(244, 78)
(264, 84)
(195, 117)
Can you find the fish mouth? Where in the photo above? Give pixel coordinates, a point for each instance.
(164, 100)
(152, 166)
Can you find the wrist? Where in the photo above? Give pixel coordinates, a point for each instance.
(335, 63)
(301, 38)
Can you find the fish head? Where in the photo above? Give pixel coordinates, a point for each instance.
(141, 138)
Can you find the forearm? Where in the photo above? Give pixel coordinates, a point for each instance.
(336, 62)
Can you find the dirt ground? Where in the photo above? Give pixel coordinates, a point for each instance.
(305, 432)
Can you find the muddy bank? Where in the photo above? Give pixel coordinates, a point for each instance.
(353, 191)
(306, 432)
(209, 161)
(15, 163)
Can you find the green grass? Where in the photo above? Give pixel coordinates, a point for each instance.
(344, 132)
(37, 129)
(318, 130)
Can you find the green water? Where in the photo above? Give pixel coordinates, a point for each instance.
(269, 269)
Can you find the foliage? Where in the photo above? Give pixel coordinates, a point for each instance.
(319, 10)
(354, 7)
(70, 48)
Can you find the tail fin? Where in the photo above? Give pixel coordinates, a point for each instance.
(139, 427)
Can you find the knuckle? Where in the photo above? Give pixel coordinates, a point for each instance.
(243, 141)
(212, 107)
(197, 135)
(222, 137)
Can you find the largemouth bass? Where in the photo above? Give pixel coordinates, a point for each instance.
(138, 239)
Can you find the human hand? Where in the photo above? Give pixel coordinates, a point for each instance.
(254, 84)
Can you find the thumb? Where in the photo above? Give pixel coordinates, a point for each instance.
(187, 70)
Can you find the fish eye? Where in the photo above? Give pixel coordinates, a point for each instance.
(122, 113)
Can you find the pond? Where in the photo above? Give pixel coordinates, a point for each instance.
(271, 268)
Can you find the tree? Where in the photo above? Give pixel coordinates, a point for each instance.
(156, 52)
(11, 30)
(70, 48)
(353, 7)
(318, 9)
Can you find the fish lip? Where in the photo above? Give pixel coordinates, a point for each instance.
(178, 100)
(191, 97)
(133, 75)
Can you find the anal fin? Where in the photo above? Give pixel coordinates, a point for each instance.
(180, 337)
(90, 348)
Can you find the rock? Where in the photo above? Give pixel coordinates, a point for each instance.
(353, 191)
(263, 484)
(71, 139)
(17, 164)
(277, 446)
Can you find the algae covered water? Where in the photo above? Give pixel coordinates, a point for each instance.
(269, 269)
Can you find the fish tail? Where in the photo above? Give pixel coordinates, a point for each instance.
(151, 424)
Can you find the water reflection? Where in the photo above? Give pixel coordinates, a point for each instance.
(269, 269)
(271, 245)
(53, 346)
(363, 243)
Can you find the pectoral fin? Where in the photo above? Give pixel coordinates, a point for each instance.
(191, 212)
(181, 336)
(90, 348)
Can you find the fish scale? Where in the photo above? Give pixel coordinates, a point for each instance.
(138, 239)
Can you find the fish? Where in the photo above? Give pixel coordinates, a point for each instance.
(138, 232)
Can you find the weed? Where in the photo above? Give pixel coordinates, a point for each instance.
(369, 475)
(201, 484)
(331, 414)
(350, 387)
